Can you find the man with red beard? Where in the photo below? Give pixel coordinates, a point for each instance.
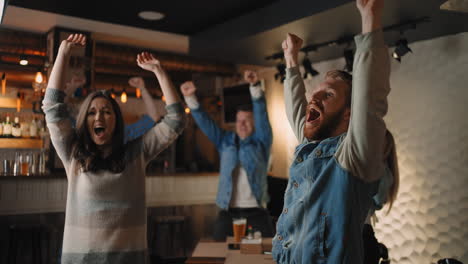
(336, 167)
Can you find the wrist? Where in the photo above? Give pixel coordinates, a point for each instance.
(158, 71)
(291, 61)
(370, 23)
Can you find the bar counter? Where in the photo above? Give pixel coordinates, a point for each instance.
(48, 193)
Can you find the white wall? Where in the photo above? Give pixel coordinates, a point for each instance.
(427, 115)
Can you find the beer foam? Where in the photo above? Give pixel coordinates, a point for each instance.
(239, 221)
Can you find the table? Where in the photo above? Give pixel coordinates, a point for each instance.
(218, 253)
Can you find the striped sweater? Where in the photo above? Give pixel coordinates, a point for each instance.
(105, 219)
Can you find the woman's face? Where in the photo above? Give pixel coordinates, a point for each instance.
(100, 120)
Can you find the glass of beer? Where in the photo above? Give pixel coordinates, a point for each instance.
(239, 226)
(25, 160)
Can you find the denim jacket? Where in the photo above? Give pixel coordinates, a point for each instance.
(332, 182)
(252, 153)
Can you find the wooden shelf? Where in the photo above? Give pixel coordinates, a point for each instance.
(20, 143)
(9, 102)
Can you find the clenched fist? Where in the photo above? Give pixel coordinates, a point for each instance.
(371, 14)
(250, 77)
(73, 40)
(136, 82)
(291, 47)
(188, 88)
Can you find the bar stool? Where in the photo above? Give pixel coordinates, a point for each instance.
(168, 238)
(25, 244)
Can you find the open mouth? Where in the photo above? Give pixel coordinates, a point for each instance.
(313, 115)
(99, 131)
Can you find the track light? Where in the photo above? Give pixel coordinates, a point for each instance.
(401, 49)
(349, 58)
(307, 64)
(281, 74)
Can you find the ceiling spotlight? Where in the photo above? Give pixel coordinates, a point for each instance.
(23, 61)
(401, 49)
(281, 74)
(349, 58)
(308, 68)
(151, 15)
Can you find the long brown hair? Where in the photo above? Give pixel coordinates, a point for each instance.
(86, 152)
(392, 163)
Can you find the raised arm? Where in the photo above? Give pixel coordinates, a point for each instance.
(203, 120)
(263, 130)
(362, 150)
(294, 88)
(145, 123)
(56, 112)
(150, 106)
(165, 132)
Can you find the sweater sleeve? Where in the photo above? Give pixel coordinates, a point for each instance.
(59, 123)
(295, 102)
(362, 149)
(165, 132)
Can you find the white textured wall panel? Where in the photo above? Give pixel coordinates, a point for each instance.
(428, 117)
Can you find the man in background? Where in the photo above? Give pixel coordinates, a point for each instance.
(242, 189)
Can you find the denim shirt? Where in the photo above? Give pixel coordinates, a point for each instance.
(332, 182)
(252, 153)
(323, 204)
(139, 128)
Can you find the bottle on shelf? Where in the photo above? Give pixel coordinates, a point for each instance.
(33, 129)
(25, 129)
(7, 128)
(16, 128)
(1, 129)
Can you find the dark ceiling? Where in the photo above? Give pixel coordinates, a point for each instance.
(246, 31)
(182, 16)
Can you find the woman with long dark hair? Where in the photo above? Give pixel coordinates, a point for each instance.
(105, 219)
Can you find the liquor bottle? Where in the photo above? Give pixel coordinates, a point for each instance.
(1, 129)
(33, 128)
(7, 128)
(16, 130)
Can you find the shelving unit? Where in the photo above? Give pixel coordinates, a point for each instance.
(20, 143)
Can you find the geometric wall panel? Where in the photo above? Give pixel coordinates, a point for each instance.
(428, 115)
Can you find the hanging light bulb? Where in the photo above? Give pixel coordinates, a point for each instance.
(18, 101)
(39, 78)
(3, 84)
(123, 97)
(138, 93)
(112, 93)
(163, 98)
(187, 110)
